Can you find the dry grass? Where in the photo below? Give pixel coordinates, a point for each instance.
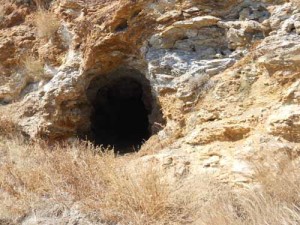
(36, 176)
(280, 176)
(99, 181)
(34, 67)
(2, 13)
(42, 4)
(275, 200)
(7, 127)
(47, 24)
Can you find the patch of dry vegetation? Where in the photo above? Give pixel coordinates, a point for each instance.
(2, 13)
(112, 188)
(34, 67)
(42, 4)
(7, 127)
(47, 24)
(98, 180)
(280, 176)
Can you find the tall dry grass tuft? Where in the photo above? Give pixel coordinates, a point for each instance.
(142, 197)
(280, 176)
(2, 13)
(47, 24)
(29, 173)
(275, 200)
(42, 4)
(247, 207)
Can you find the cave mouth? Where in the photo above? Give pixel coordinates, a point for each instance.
(122, 110)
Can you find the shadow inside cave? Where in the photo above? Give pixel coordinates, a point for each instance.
(123, 111)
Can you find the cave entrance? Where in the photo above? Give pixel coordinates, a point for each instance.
(122, 115)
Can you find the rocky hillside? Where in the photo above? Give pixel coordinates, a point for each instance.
(199, 86)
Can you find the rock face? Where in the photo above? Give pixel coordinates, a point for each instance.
(223, 75)
(285, 122)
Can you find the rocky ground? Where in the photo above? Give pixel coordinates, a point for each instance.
(224, 74)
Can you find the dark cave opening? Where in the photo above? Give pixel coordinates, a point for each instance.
(123, 111)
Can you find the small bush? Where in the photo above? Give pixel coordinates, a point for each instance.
(7, 127)
(47, 24)
(34, 67)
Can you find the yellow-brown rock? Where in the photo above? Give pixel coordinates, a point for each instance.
(224, 74)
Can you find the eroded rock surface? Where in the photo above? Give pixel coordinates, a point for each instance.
(224, 73)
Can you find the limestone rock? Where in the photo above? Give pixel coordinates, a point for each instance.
(292, 95)
(196, 22)
(217, 132)
(241, 33)
(225, 74)
(169, 15)
(285, 122)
